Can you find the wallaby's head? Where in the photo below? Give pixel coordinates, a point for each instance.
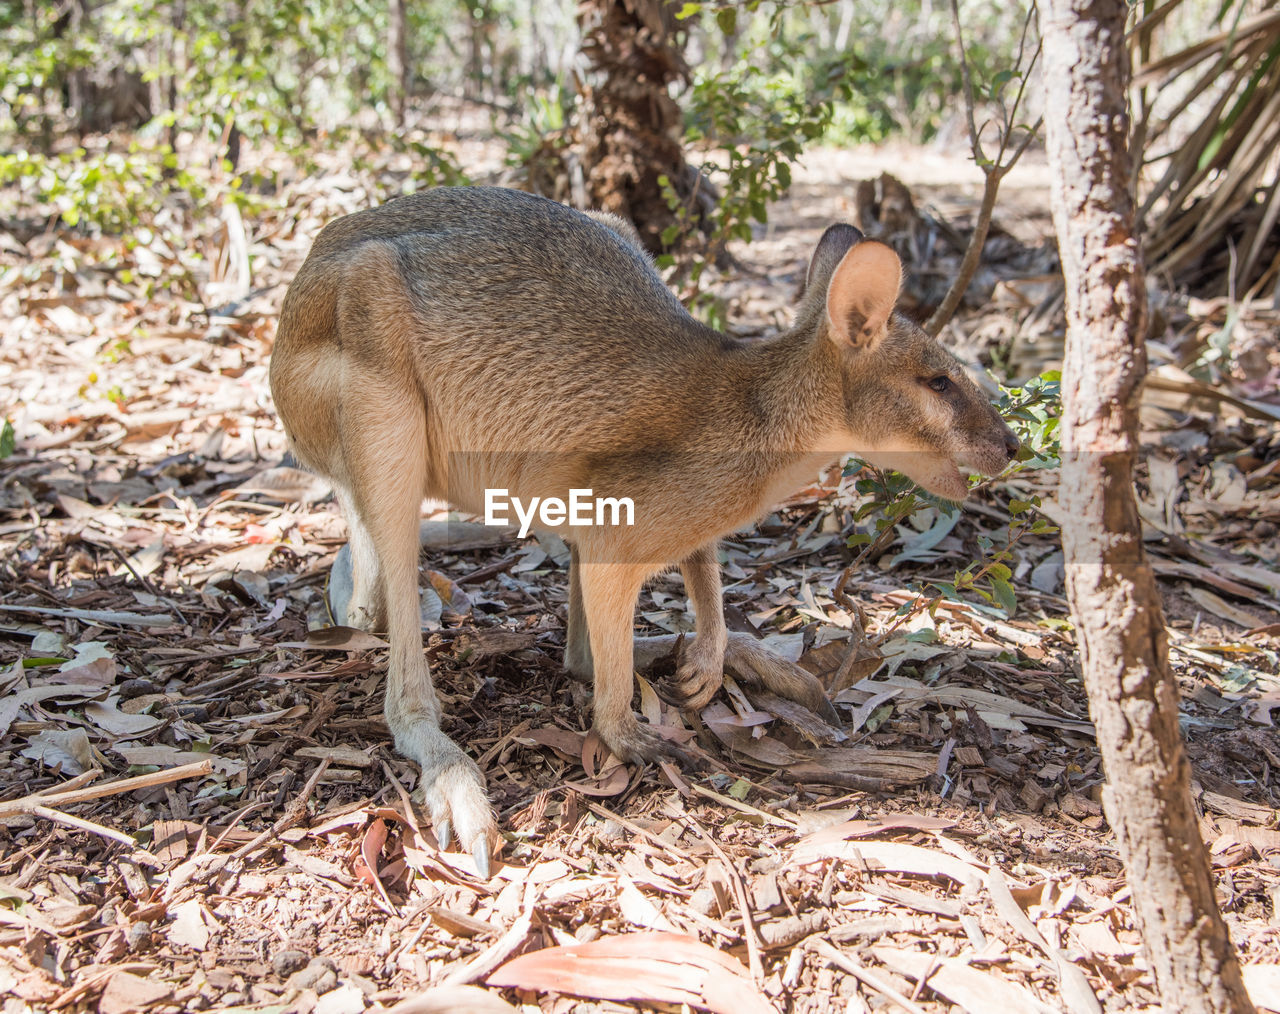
(908, 403)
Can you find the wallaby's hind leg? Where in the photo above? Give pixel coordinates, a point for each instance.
(367, 609)
(577, 642)
(386, 450)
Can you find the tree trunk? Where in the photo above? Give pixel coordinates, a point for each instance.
(397, 58)
(632, 131)
(1114, 600)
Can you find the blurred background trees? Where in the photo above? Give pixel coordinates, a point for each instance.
(684, 116)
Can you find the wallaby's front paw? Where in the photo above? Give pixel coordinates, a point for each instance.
(454, 794)
(758, 666)
(699, 674)
(694, 684)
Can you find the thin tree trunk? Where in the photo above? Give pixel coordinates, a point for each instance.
(397, 58)
(1114, 601)
(632, 128)
(78, 89)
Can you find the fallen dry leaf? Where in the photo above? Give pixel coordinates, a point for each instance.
(188, 928)
(653, 967)
(454, 1000)
(126, 992)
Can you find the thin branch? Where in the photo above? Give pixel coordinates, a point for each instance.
(969, 103)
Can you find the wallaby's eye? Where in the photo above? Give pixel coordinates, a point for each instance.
(940, 384)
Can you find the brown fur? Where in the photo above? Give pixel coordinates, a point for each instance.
(462, 339)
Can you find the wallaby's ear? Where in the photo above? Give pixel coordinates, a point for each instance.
(862, 293)
(835, 243)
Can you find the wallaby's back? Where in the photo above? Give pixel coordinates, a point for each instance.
(526, 326)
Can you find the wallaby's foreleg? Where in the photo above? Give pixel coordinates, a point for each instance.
(701, 670)
(385, 447)
(701, 665)
(609, 592)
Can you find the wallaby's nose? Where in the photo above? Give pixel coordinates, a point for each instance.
(1011, 444)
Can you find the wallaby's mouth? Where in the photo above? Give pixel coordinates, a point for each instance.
(948, 482)
(935, 473)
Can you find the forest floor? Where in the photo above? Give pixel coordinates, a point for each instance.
(162, 604)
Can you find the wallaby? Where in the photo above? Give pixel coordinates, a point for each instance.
(466, 339)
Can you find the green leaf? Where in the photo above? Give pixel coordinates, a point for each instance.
(999, 572)
(688, 11)
(8, 440)
(726, 18)
(1005, 594)
(879, 717)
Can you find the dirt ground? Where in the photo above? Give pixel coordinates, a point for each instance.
(162, 609)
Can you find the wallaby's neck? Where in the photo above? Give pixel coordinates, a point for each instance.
(792, 389)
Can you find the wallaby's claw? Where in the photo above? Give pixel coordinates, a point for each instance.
(758, 666)
(453, 793)
(480, 854)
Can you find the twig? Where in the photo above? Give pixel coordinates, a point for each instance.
(291, 816)
(864, 975)
(103, 616)
(84, 778)
(94, 979)
(771, 818)
(994, 172)
(80, 824)
(149, 586)
(46, 798)
(236, 817)
(749, 932)
(493, 956)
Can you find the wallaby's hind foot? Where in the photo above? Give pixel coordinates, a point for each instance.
(452, 789)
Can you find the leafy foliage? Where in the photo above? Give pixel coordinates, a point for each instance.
(1208, 123)
(1033, 412)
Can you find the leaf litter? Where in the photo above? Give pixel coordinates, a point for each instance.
(165, 616)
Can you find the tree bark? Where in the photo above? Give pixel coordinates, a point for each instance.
(632, 131)
(1114, 600)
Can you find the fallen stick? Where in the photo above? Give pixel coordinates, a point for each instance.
(46, 799)
(750, 934)
(863, 975)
